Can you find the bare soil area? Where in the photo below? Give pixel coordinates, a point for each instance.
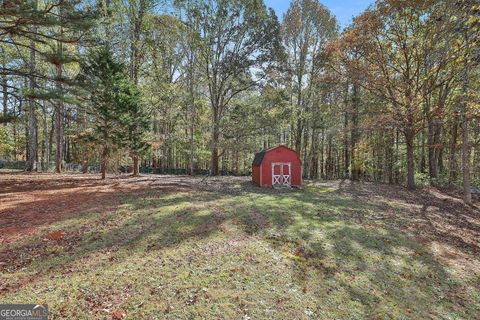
(29, 201)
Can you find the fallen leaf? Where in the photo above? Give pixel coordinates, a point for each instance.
(55, 235)
(118, 314)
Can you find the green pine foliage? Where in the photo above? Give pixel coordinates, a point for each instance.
(113, 103)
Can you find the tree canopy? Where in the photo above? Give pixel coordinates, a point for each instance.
(199, 86)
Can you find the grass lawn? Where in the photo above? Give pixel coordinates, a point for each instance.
(164, 247)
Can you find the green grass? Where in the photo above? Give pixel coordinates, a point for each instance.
(258, 253)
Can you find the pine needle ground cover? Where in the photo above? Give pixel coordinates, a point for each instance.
(165, 247)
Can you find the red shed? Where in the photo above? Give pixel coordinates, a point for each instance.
(277, 166)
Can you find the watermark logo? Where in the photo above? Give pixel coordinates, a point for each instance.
(23, 312)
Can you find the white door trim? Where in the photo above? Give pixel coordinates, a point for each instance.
(282, 179)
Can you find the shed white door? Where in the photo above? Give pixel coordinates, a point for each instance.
(281, 173)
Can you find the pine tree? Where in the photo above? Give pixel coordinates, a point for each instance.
(138, 124)
(112, 101)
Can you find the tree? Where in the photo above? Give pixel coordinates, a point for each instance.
(137, 125)
(469, 30)
(218, 80)
(32, 117)
(70, 24)
(43, 29)
(136, 13)
(191, 48)
(112, 101)
(307, 27)
(388, 40)
(163, 80)
(239, 38)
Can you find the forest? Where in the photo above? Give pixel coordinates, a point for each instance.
(199, 86)
(240, 159)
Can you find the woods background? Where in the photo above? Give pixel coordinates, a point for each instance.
(199, 86)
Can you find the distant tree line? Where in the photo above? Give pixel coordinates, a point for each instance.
(197, 85)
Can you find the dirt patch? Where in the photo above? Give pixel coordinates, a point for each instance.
(31, 201)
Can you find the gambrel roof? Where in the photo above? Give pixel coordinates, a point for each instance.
(260, 155)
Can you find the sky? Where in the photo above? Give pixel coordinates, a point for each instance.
(344, 10)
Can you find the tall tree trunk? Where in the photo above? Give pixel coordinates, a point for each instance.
(346, 149)
(440, 165)
(136, 165)
(45, 137)
(423, 160)
(391, 157)
(346, 144)
(59, 126)
(329, 165)
(354, 134)
(452, 160)
(191, 160)
(5, 94)
(32, 120)
(298, 136)
(237, 163)
(306, 159)
(322, 153)
(59, 108)
(215, 140)
(192, 111)
(82, 123)
(467, 191)
(67, 144)
(435, 126)
(314, 155)
(104, 162)
(409, 139)
(14, 135)
(434, 135)
(137, 21)
(432, 165)
(428, 117)
(299, 127)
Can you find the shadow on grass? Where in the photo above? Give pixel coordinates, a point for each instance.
(322, 232)
(374, 264)
(378, 273)
(433, 216)
(138, 218)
